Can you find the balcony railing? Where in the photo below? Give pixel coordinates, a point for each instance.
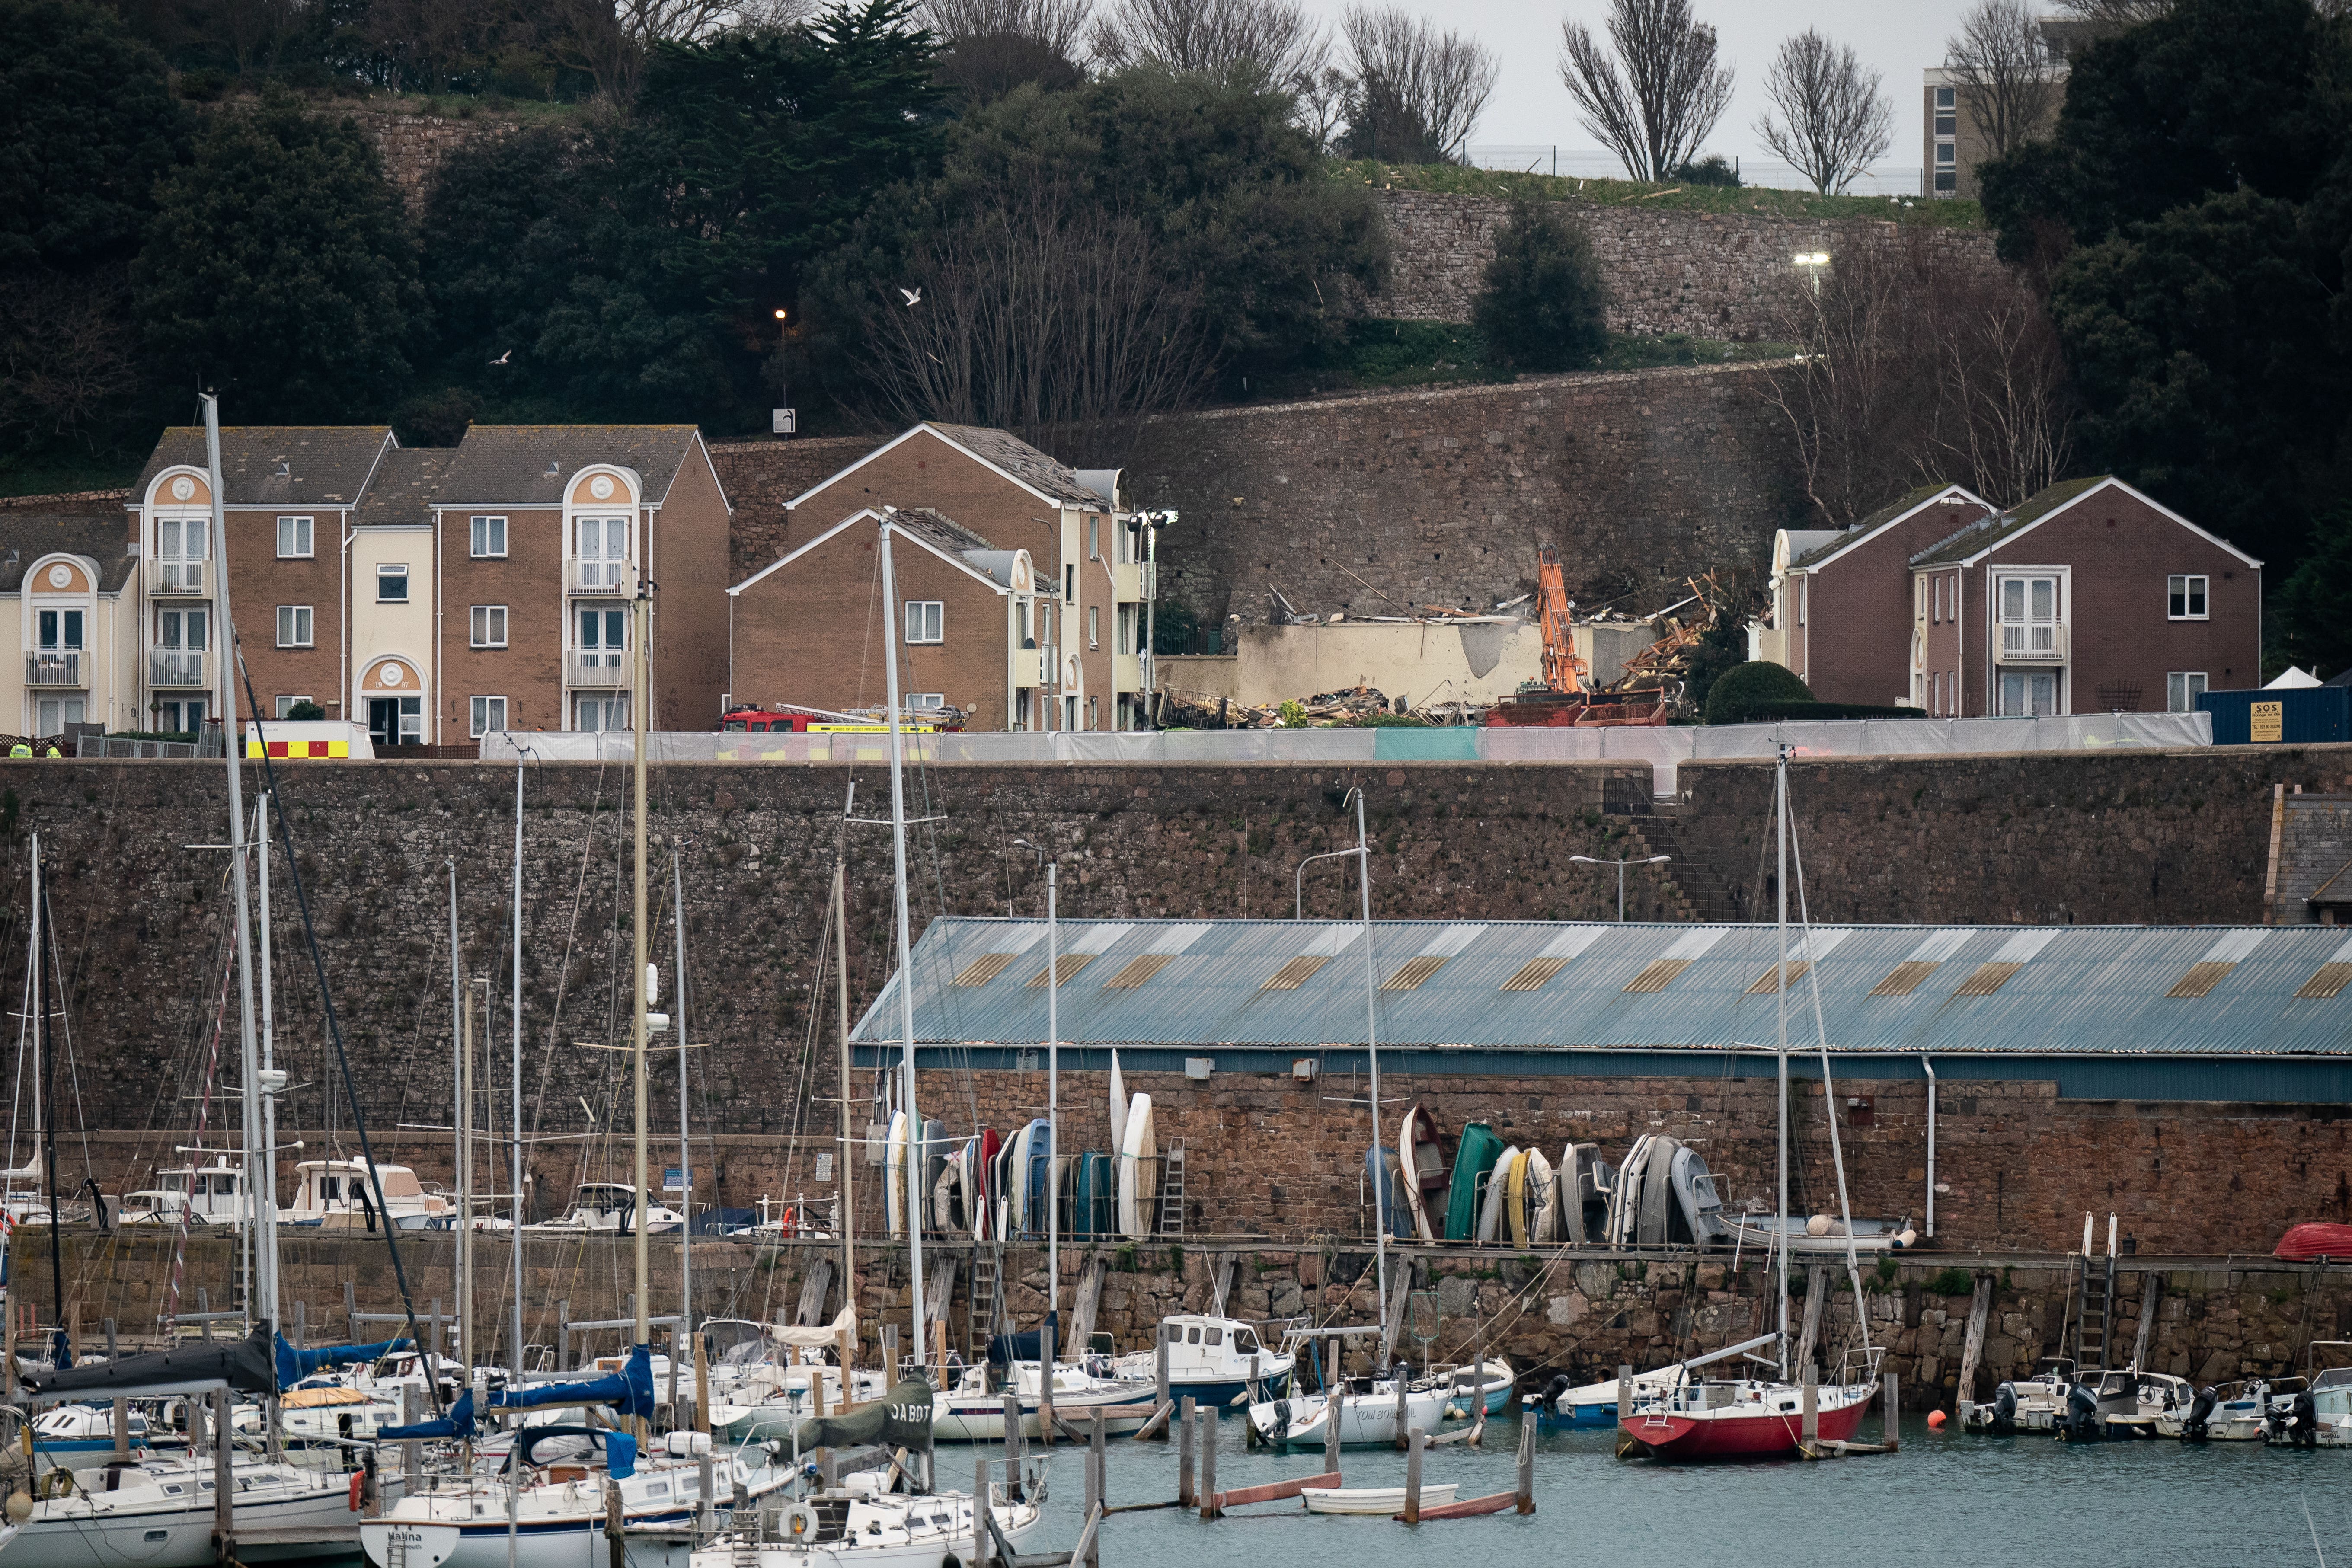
(173, 667)
(616, 577)
(2035, 642)
(53, 670)
(600, 666)
(177, 579)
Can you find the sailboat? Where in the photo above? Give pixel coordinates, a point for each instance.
(150, 1509)
(1749, 1417)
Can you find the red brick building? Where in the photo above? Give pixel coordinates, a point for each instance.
(2089, 597)
(1087, 548)
(434, 595)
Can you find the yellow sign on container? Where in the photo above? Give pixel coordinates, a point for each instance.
(2266, 722)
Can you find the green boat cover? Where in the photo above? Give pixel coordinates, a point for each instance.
(1472, 1160)
(901, 1419)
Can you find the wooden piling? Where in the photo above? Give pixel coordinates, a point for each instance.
(1208, 1464)
(1478, 1405)
(1398, 1371)
(1624, 1390)
(1331, 1429)
(980, 1544)
(1526, 1492)
(1097, 1463)
(1972, 1348)
(1160, 1376)
(1890, 1412)
(224, 1484)
(1091, 1483)
(412, 1453)
(1011, 1425)
(617, 1542)
(1046, 1383)
(1811, 1430)
(1184, 1496)
(1416, 1441)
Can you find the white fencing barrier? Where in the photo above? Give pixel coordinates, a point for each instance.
(1664, 749)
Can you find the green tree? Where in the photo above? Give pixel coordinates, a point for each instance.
(501, 238)
(280, 269)
(1740, 691)
(1541, 305)
(2313, 608)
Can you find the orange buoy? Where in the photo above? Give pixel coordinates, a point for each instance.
(1935, 1420)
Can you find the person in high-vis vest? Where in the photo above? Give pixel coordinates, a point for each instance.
(20, 750)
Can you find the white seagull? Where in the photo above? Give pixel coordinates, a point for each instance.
(913, 296)
(504, 357)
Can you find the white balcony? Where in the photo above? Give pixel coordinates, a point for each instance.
(2032, 642)
(617, 578)
(1127, 672)
(177, 579)
(1030, 667)
(605, 668)
(1127, 581)
(170, 667)
(54, 670)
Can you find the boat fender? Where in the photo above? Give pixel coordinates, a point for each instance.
(800, 1523)
(359, 1485)
(1818, 1225)
(1907, 1240)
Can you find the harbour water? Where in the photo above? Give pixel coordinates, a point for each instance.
(1944, 1497)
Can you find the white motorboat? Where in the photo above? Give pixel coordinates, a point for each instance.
(604, 1208)
(1491, 1380)
(1367, 1414)
(1381, 1500)
(337, 1195)
(2253, 1411)
(971, 1412)
(859, 1525)
(198, 1195)
(1210, 1360)
(2034, 1403)
(155, 1511)
(2331, 1403)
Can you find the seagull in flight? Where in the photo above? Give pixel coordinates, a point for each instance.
(504, 357)
(913, 296)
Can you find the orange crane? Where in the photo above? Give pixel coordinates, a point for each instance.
(1563, 671)
(1564, 700)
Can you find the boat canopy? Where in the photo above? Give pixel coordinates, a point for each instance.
(458, 1423)
(294, 1365)
(245, 1367)
(902, 1419)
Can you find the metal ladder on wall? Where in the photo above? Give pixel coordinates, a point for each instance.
(2093, 1309)
(986, 1302)
(1171, 1193)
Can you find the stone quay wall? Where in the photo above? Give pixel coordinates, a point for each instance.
(1578, 1313)
(1711, 275)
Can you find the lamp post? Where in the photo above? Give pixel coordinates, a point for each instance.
(1621, 865)
(1812, 261)
(785, 425)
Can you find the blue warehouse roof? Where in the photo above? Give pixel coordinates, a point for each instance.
(1513, 989)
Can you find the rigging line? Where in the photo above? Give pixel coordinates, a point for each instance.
(571, 941)
(178, 1272)
(64, 1014)
(1829, 1097)
(327, 1008)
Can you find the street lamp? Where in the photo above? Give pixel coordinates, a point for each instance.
(1621, 865)
(781, 420)
(1812, 261)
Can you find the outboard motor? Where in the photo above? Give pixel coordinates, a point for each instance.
(2004, 1411)
(2081, 1422)
(2201, 1411)
(1560, 1383)
(2305, 1416)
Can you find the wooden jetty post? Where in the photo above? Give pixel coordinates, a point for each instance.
(1159, 1406)
(1398, 1371)
(1208, 1489)
(1625, 1390)
(1416, 1444)
(1890, 1412)
(1185, 1497)
(1811, 1430)
(1046, 1383)
(979, 1542)
(1254, 1395)
(1332, 1430)
(1011, 1425)
(412, 1453)
(1478, 1407)
(1972, 1348)
(1093, 1483)
(224, 1484)
(121, 1406)
(617, 1543)
(1097, 1463)
(1526, 1492)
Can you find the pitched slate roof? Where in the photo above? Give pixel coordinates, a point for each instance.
(1990, 530)
(405, 487)
(276, 465)
(1911, 502)
(938, 528)
(27, 535)
(526, 465)
(1023, 461)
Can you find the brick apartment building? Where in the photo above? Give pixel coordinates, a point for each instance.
(1952, 145)
(2087, 598)
(1011, 535)
(434, 595)
(69, 584)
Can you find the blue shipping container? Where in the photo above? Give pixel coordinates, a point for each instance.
(2309, 715)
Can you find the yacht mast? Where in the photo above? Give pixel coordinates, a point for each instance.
(1781, 996)
(1381, 1195)
(249, 1049)
(264, 1203)
(684, 1335)
(1053, 1118)
(906, 949)
(841, 984)
(638, 717)
(461, 1127)
(44, 1128)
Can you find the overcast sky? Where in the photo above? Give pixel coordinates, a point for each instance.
(1899, 38)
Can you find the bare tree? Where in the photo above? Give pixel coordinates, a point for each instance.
(1828, 117)
(2001, 62)
(2116, 13)
(610, 39)
(1418, 91)
(1918, 366)
(1039, 313)
(995, 46)
(1216, 38)
(67, 359)
(1322, 103)
(1671, 96)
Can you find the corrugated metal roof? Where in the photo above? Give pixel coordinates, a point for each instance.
(1540, 985)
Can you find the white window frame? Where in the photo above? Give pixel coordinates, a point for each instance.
(286, 704)
(925, 622)
(2195, 594)
(2179, 695)
(480, 713)
(72, 634)
(1919, 599)
(297, 627)
(1093, 625)
(386, 568)
(918, 700)
(297, 538)
(478, 531)
(484, 620)
(2062, 607)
